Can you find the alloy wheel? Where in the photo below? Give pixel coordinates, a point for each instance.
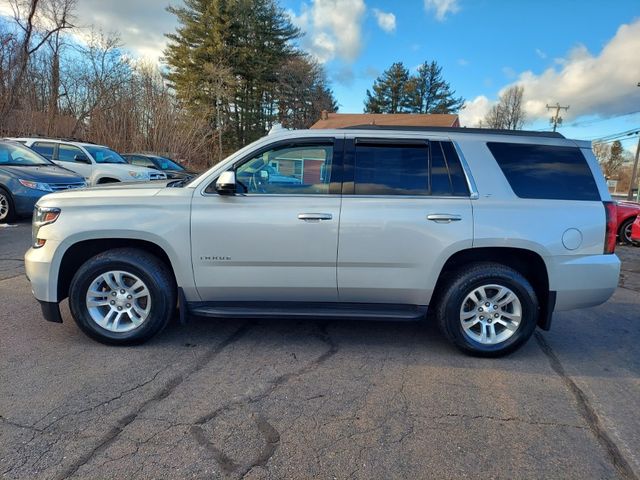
(490, 314)
(118, 301)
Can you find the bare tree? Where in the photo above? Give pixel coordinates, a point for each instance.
(508, 113)
(611, 157)
(36, 26)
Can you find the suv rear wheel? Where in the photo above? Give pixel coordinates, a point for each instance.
(122, 296)
(487, 309)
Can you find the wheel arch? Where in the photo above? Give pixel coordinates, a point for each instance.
(528, 263)
(82, 250)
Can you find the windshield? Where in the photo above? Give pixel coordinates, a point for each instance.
(17, 155)
(104, 154)
(164, 163)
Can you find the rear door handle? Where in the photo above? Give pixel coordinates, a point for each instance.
(444, 217)
(314, 217)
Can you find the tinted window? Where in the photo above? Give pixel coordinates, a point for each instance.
(17, 155)
(67, 153)
(408, 169)
(44, 149)
(440, 183)
(288, 170)
(140, 161)
(545, 172)
(104, 155)
(382, 169)
(459, 183)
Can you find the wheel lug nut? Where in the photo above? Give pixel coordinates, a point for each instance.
(113, 302)
(496, 315)
(489, 320)
(128, 305)
(119, 308)
(481, 317)
(113, 293)
(487, 304)
(122, 291)
(495, 307)
(129, 297)
(480, 309)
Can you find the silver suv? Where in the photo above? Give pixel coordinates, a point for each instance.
(487, 232)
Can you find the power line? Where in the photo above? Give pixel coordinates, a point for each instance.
(617, 136)
(591, 122)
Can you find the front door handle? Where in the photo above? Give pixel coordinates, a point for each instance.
(444, 217)
(314, 217)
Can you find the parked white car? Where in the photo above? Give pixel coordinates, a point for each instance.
(96, 163)
(489, 231)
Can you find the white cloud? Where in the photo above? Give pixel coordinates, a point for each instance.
(332, 28)
(604, 84)
(463, 62)
(541, 54)
(386, 21)
(474, 111)
(442, 8)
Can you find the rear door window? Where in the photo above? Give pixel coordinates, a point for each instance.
(546, 172)
(44, 149)
(412, 168)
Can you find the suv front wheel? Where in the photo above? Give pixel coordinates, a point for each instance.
(122, 297)
(488, 309)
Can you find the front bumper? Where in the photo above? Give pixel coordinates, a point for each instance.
(25, 199)
(39, 268)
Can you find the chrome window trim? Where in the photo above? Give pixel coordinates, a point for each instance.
(473, 189)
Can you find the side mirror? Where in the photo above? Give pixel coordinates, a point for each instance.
(82, 159)
(226, 183)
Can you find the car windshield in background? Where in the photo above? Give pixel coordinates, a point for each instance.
(104, 154)
(19, 156)
(167, 164)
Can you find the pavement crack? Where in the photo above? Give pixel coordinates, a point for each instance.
(163, 393)
(588, 413)
(19, 425)
(268, 431)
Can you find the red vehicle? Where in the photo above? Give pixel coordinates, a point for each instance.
(628, 212)
(635, 230)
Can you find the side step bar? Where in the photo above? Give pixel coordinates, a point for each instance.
(349, 311)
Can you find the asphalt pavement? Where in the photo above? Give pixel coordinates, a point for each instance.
(300, 399)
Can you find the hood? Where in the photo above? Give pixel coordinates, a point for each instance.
(134, 168)
(44, 174)
(112, 193)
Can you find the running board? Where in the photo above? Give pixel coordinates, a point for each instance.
(350, 311)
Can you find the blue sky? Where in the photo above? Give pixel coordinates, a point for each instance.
(585, 54)
(485, 45)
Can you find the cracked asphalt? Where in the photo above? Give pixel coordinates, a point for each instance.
(300, 399)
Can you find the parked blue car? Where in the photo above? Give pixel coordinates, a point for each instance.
(25, 176)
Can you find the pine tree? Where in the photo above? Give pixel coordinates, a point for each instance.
(395, 91)
(429, 93)
(389, 91)
(247, 41)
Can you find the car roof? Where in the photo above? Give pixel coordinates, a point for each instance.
(57, 140)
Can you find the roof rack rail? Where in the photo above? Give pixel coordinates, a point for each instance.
(52, 137)
(486, 131)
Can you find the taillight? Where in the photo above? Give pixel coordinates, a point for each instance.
(611, 211)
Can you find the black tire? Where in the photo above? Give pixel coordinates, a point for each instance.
(622, 236)
(148, 268)
(464, 281)
(11, 213)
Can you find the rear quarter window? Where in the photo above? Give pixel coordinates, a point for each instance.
(545, 172)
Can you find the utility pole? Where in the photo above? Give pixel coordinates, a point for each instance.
(556, 119)
(634, 172)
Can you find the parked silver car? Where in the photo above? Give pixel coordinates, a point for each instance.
(488, 231)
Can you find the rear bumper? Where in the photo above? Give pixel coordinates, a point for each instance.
(584, 281)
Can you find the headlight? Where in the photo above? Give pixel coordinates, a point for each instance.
(139, 175)
(36, 185)
(42, 216)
